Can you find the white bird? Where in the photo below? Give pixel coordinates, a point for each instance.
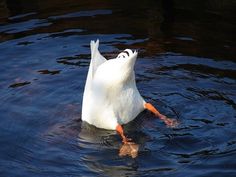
(111, 97)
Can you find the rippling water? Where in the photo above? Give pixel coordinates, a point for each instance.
(186, 68)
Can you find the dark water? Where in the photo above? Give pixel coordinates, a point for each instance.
(186, 68)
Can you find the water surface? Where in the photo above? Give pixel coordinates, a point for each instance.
(186, 68)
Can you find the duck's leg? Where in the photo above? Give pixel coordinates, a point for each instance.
(168, 121)
(128, 148)
(120, 130)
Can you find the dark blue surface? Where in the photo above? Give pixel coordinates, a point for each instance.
(186, 68)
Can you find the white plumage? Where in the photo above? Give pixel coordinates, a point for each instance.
(110, 95)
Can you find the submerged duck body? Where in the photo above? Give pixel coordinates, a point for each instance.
(111, 97)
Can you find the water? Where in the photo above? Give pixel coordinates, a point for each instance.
(186, 68)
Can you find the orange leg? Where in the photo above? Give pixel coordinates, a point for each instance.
(128, 148)
(120, 130)
(151, 108)
(168, 121)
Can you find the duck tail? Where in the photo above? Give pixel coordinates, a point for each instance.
(96, 58)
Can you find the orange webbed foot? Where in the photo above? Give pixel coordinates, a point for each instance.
(169, 122)
(129, 149)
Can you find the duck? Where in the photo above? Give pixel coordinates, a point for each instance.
(111, 98)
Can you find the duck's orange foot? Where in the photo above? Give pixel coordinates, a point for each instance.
(169, 122)
(129, 149)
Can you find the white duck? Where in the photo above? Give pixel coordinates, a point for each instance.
(111, 97)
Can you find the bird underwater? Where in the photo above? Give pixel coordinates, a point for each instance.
(111, 97)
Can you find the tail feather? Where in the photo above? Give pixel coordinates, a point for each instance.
(96, 58)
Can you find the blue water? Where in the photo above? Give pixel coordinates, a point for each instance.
(186, 68)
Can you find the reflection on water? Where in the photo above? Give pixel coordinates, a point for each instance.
(186, 68)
